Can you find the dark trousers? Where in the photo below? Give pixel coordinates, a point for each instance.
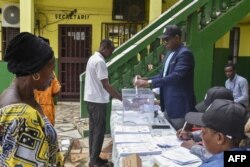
(97, 128)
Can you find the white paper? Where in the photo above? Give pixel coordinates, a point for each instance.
(176, 155)
(132, 138)
(125, 129)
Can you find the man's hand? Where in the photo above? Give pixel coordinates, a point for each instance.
(188, 144)
(136, 78)
(141, 83)
(183, 135)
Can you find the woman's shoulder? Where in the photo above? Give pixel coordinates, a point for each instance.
(18, 109)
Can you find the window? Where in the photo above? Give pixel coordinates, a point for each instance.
(7, 35)
(120, 32)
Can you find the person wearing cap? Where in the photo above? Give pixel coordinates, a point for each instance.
(192, 138)
(27, 138)
(222, 129)
(237, 85)
(176, 79)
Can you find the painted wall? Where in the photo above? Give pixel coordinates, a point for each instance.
(51, 13)
(48, 14)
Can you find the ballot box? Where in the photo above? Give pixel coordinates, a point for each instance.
(138, 106)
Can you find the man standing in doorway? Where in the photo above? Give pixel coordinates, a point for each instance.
(237, 84)
(176, 80)
(96, 94)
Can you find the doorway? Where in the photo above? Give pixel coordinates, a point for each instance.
(75, 43)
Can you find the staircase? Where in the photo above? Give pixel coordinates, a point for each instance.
(203, 22)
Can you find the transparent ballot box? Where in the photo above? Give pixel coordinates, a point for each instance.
(138, 106)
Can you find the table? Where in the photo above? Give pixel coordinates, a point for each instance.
(156, 135)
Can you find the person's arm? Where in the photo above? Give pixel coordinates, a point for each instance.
(184, 65)
(243, 99)
(56, 87)
(110, 89)
(200, 151)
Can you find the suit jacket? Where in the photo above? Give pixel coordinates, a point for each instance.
(177, 87)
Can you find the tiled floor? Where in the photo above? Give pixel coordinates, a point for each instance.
(69, 126)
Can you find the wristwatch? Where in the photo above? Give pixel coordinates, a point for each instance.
(149, 81)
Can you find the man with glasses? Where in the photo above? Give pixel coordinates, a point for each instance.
(176, 80)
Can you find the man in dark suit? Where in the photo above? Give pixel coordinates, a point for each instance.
(176, 79)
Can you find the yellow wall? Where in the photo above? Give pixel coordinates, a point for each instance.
(155, 7)
(166, 4)
(27, 15)
(99, 11)
(223, 42)
(244, 49)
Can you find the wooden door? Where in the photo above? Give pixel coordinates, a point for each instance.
(74, 50)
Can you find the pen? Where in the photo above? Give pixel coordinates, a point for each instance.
(136, 90)
(183, 126)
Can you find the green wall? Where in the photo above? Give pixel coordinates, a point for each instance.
(5, 76)
(220, 60)
(243, 67)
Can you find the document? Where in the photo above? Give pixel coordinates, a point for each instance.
(138, 148)
(167, 141)
(132, 138)
(180, 155)
(126, 129)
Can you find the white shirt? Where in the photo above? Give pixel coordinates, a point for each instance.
(96, 71)
(167, 63)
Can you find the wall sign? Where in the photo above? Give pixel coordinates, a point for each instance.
(72, 17)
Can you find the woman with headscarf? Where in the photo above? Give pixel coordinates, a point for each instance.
(26, 136)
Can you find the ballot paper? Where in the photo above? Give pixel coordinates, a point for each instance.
(126, 129)
(138, 118)
(167, 141)
(180, 155)
(164, 162)
(132, 138)
(139, 148)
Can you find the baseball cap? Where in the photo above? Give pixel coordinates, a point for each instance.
(217, 92)
(222, 115)
(170, 31)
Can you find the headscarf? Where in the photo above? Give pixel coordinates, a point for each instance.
(27, 54)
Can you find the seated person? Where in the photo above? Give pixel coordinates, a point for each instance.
(237, 85)
(222, 129)
(191, 134)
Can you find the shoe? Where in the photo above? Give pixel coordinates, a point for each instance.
(102, 160)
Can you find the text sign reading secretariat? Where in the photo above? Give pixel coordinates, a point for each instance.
(74, 16)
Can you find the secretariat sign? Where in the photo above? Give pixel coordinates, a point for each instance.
(72, 17)
(236, 158)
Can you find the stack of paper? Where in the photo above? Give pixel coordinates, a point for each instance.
(167, 141)
(125, 129)
(176, 155)
(138, 148)
(132, 138)
(164, 162)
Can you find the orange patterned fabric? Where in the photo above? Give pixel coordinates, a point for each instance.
(46, 99)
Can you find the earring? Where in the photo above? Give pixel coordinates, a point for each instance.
(36, 76)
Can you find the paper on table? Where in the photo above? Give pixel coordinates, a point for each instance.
(164, 162)
(138, 148)
(167, 141)
(132, 138)
(131, 129)
(176, 155)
